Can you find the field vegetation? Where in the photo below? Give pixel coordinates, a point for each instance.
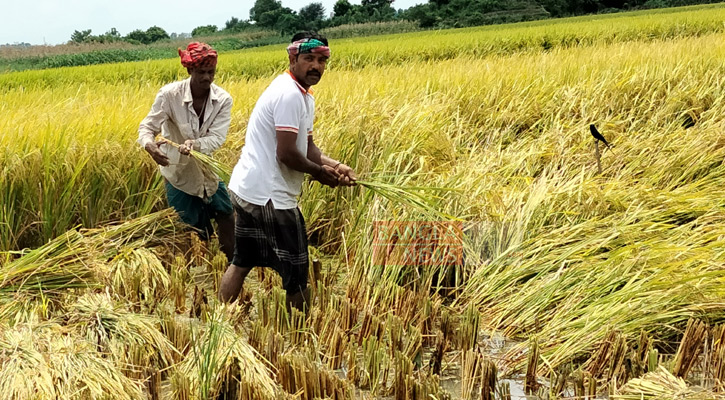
(92, 53)
(575, 281)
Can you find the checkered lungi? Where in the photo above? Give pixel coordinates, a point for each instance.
(267, 237)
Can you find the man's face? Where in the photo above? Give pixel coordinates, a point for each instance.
(202, 77)
(308, 68)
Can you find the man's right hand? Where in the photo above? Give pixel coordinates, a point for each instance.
(156, 153)
(327, 176)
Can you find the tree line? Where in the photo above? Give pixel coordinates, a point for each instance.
(138, 36)
(440, 14)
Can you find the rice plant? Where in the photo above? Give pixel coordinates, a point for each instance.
(40, 361)
(480, 127)
(221, 362)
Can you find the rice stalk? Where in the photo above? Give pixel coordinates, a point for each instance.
(114, 329)
(531, 383)
(690, 347)
(45, 361)
(77, 259)
(471, 365)
(411, 196)
(374, 361)
(140, 277)
(718, 357)
(662, 385)
(221, 359)
(300, 374)
(211, 167)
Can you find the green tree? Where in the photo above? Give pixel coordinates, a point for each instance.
(425, 14)
(262, 7)
(378, 10)
(341, 8)
(311, 16)
(137, 36)
(174, 35)
(80, 36)
(376, 3)
(557, 8)
(108, 37)
(236, 25)
(656, 4)
(231, 24)
(287, 21)
(282, 19)
(155, 34)
(204, 30)
(113, 33)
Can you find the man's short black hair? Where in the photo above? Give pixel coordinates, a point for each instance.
(311, 35)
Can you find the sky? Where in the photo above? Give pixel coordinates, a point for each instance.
(53, 21)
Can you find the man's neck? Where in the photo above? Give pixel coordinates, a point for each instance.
(299, 82)
(198, 93)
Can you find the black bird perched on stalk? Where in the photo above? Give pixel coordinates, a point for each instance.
(598, 136)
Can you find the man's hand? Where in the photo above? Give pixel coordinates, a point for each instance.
(327, 176)
(347, 176)
(156, 153)
(186, 148)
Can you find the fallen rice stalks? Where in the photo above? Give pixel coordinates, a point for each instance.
(78, 259)
(115, 329)
(221, 361)
(662, 385)
(46, 362)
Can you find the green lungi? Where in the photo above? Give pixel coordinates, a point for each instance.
(197, 212)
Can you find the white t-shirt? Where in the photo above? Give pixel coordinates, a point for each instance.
(258, 176)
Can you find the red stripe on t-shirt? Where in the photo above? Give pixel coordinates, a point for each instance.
(287, 128)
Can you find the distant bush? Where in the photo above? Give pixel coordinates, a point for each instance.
(370, 29)
(167, 49)
(90, 53)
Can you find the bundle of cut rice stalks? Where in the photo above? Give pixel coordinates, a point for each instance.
(662, 385)
(78, 259)
(117, 331)
(222, 363)
(139, 276)
(419, 198)
(45, 361)
(210, 166)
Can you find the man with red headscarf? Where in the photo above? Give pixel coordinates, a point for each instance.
(194, 113)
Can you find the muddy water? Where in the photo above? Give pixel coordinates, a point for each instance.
(453, 387)
(495, 346)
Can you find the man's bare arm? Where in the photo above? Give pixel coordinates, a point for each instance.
(288, 154)
(346, 174)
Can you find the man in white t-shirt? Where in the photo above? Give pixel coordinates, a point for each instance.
(278, 150)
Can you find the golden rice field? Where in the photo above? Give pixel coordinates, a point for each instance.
(576, 283)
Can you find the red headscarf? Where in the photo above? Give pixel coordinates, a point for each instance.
(198, 55)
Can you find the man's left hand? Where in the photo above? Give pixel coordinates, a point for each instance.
(186, 148)
(347, 175)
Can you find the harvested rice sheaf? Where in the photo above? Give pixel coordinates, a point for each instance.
(221, 361)
(663, 385)
(46, 361)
